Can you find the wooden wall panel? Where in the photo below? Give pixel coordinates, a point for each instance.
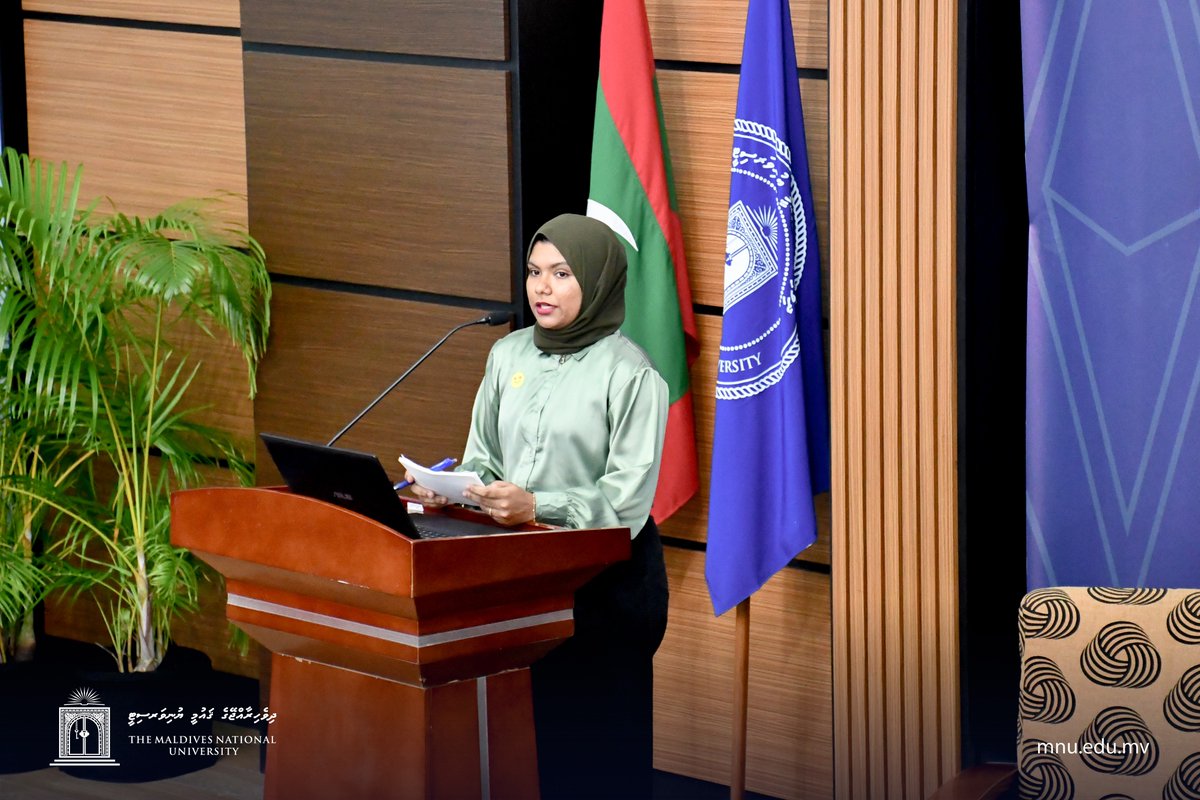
(699, 109)
(712, 30)
(893, 333)
(155, 116)
(331, 352)
(691, 521)
(219, 395)
(790, 707)
(381, 173)
(467, 28)
(220, 13)
(221, 389)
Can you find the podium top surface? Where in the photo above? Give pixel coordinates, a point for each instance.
(270, 536)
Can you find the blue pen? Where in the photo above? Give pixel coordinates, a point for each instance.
(438, 467)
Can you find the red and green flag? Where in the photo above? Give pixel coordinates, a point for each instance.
(633, 192)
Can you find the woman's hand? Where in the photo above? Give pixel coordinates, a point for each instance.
(424, 495)
(506, 503)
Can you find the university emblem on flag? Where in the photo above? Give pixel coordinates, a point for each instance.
(766, 223)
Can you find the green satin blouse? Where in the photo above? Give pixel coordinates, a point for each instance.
(583, 431)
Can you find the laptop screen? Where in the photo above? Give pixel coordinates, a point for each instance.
(358, 482)
(346, 478)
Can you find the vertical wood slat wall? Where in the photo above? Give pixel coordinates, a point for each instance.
(895, 579)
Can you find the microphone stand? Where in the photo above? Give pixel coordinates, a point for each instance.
(494, 318)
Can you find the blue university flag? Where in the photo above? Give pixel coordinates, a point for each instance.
(771, 438)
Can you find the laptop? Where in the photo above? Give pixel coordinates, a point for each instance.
(358, 482)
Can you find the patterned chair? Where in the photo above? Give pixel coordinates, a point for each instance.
(1110, 694)
(1109, 703)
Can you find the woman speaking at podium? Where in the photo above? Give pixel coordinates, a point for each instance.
(567, 429)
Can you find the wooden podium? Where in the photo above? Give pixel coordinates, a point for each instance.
(399, 668)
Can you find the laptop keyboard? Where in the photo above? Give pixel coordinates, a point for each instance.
(437, 526)
(432, 533)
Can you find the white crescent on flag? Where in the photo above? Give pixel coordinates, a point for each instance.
(611, 219)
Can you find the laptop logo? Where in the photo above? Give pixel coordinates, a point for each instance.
(343, 496)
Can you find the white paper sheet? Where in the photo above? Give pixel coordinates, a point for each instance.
(448, 484)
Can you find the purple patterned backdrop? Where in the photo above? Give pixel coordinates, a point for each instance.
(1113, 167)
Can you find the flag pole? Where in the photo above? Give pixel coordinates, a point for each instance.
(741, 693)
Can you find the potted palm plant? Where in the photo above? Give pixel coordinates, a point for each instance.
(92, 307)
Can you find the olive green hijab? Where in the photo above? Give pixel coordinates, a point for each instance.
(597, 258)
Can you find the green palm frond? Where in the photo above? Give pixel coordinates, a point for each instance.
(22, 585)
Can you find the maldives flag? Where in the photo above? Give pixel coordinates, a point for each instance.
(633, 193)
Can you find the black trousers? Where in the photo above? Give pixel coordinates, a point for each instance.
(593, 696)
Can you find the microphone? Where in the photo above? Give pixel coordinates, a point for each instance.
(493, 318)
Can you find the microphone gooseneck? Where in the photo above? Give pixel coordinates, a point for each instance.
(494, 318)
